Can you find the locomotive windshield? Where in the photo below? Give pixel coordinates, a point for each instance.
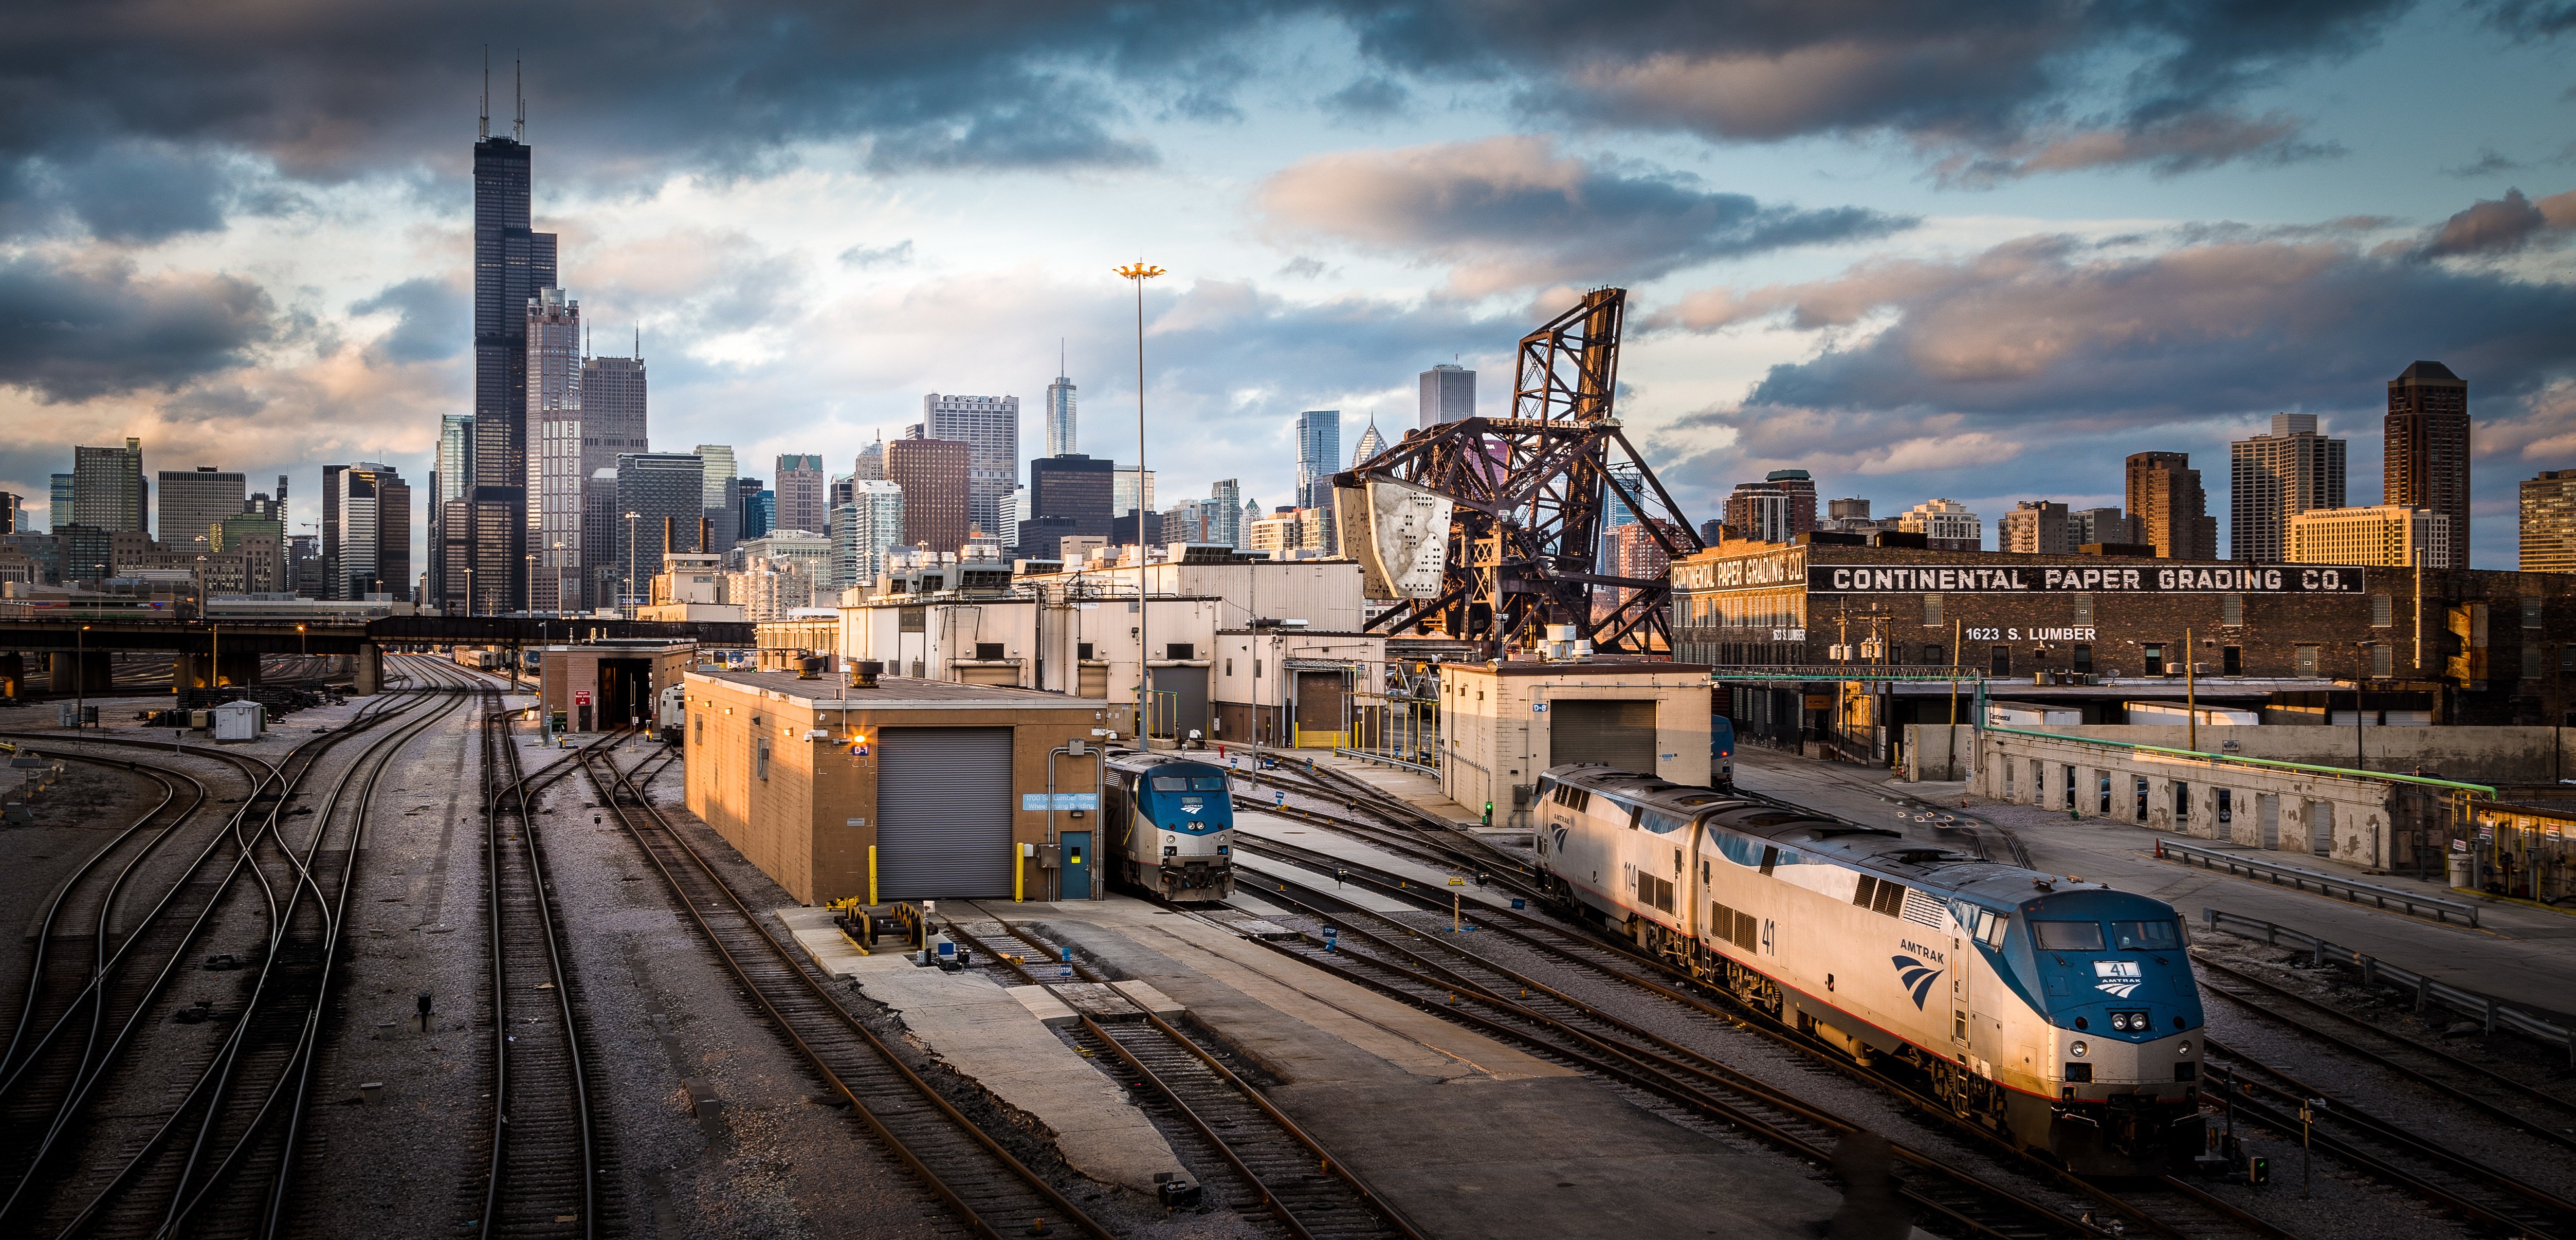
(2146, 936)
(1193, 800)
(2068, 936)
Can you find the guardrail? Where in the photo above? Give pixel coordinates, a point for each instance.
(1383, 760)
(2374, 970)
(2280, 875)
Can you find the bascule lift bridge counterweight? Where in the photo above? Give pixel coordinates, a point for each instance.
(1489, 529)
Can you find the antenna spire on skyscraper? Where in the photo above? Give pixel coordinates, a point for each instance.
(519, 85)
(483, 129)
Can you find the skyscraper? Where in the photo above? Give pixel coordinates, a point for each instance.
(1448, 394)
(1060, 439)
(989, 426)
(1225, 524)
(451, 519)
(933, 474)
(600, 520)
(1127, 496)
(2549, 522)
(757, 506)
(723, 507)
(800, 492)
(366, 531)
(2034, 527)
(2165, 496)
(58, 511)
(869, 467)
(194, 502)
(108, 491)
(1319, 455)
(667, 494)
(558, 433)
(1801, 490)
(1371, 443)
(2274, 477)
(879, 505)
(2427, 461)
(613, 418)
(511, 263)
(1072, 488)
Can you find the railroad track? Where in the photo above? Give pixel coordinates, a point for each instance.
(1394, 959)
(2171, 1206)
(1268, 1164)
(219, 1158)
(992, 1193)
(2484, 1196)
(546, 1159)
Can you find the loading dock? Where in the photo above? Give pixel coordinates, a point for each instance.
(601, 686)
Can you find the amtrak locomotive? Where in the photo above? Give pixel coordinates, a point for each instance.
(1170, 826)
(2060, 1015)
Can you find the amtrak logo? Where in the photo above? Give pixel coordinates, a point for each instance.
(1560, 833)
(1917, 977)
(2117, 978)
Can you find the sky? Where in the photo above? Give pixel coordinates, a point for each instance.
(1920, 249)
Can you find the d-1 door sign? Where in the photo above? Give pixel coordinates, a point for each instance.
(1036, 802)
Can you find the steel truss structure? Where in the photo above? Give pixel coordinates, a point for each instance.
(1530, 494)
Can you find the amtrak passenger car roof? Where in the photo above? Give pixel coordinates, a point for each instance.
(1875, 849)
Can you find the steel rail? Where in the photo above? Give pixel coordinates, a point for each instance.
(1533, 934)
(1288, 1131)
(890, 1104)
(512, 878)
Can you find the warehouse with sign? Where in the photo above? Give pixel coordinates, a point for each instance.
(891, 788)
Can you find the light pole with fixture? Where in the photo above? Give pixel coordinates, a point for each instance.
(628, 595)
(1137, 273)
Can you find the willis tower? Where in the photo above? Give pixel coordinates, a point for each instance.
(511, 263)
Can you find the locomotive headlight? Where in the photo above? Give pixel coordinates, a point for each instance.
(2077, 1048)
(2120, 1021)
(2184, 1048)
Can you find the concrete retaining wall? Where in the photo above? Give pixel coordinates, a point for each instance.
(2479, 755)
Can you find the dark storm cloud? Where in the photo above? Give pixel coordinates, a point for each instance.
(435, 321)
(1512, 212)
(1950, 76)
(72, 332)
(329, 90)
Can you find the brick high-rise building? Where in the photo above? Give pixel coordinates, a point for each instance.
(2549, 522)
(2427, 454)
(2165, 496)
(2034, 527)
(933, 474)
(801, 499)
(1801, 490)
(2275, 477)
(1757, 510)
(989, 426)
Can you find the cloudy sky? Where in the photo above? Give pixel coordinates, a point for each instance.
(1980, 251)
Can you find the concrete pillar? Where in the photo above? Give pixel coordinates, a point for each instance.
(371, 669)
(188, 671)
(13, 674)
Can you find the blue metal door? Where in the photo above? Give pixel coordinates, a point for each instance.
(1077, 866)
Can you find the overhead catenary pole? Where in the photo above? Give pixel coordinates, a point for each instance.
(1137, 273)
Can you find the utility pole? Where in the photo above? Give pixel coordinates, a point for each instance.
(2190, 694)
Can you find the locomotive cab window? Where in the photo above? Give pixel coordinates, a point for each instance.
(2068, 936)
(1171, 783)
(2146, 936)
(1207, 783)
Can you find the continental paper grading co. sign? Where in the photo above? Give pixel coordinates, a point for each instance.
(2108, 579)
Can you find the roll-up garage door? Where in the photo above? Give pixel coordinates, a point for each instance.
(943, 813)
(1618, 731)
(1319, 707)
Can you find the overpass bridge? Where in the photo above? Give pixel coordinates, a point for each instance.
(79, 643)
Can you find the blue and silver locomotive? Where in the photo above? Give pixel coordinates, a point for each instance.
(2060, 1015)
(1170, 826)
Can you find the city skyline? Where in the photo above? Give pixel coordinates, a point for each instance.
(1907, 297)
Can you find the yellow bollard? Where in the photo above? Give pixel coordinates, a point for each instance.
(1019, 875)
(872, 875)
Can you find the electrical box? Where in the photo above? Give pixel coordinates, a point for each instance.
(1050, 856)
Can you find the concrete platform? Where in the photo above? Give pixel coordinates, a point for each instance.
(1001, 1037)
(1469, 1136)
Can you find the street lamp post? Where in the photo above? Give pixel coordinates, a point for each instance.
(469, 589)
(80, 679)
(1137, 273)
